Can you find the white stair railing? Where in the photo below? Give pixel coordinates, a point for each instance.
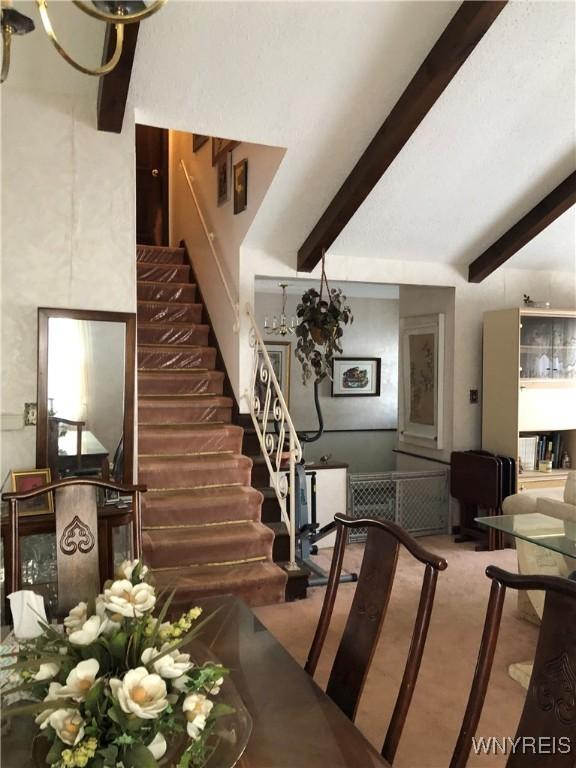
(280, 446)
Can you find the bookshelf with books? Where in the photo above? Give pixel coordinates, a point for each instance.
(529, 392)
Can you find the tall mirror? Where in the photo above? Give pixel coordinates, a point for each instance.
(86, 363)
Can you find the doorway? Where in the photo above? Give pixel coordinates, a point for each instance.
(151, 185)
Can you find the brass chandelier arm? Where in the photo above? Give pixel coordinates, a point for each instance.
(112, 18)
(104, 69)
(6, 46)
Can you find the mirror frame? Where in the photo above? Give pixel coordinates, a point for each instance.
(129, 321)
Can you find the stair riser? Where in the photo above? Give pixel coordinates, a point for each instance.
(164, 383)
(169, 313)
(163, 273)
(250, 446)
(193, 477)
(267, 592)
(167, 292)
(182, 414)
(165, 334)
(260, 476)
(180, 510)
(178, 441)
(271, 512)
(160, 255)
(281, 548)
(188, 550)
(167, 359)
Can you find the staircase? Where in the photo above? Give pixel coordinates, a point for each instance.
(201, 527)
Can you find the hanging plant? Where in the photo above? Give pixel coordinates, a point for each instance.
(322, 316)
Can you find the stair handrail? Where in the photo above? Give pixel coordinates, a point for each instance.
(265, 399)
(234, 303)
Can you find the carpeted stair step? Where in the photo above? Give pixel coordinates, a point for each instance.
(169, 312)
(158, 254)
(154, 357)
(206, 545)
(180, 382)
(171, 292)
(173, 333)
(163, 273)
(202, 506)
(176, 473)
(184, 439)
(258, 583)
(173, 409)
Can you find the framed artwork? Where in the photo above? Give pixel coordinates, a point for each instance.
(220, 147)
(223, 178)
(356, 377)
(279, 353)
(198, 141)
(240, 186)
(29, 480)
(422, 380)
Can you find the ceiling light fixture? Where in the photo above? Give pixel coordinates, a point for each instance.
(280, 326)
(116, 13)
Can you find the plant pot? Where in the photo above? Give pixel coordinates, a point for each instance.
(317, 334)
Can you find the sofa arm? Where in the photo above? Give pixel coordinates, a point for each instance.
(519, 504)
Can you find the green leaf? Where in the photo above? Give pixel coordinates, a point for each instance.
(117, 645)
(94, 694)
(139, 756)
(220, 710)
(55, 751)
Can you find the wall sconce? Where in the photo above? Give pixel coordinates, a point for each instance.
(116, 13)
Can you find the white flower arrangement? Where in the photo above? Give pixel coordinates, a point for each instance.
(116, 687)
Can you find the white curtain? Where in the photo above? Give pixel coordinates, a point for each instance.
(67, 380)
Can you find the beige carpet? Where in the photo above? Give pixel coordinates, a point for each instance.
(449, 659)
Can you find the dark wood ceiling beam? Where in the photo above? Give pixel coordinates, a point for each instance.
(465, 30)
(542, 215)
(113, 88)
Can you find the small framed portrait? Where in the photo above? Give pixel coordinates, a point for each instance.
(356, 377)
(221, 147)
(223, 178)
(29, 480)
(240, 186)
(198, 141)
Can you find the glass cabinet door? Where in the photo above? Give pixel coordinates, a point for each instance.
(548, 348)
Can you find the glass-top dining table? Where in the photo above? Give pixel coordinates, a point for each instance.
(295, 725)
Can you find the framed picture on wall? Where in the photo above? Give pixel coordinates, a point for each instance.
(220, 147)
(29, 480)
(223, 178)
(356, 377)
(198, 141)
(240, 186)
(422, 380)
(279, 353)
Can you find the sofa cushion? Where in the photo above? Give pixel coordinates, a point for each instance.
(570, 488)
(559, 509)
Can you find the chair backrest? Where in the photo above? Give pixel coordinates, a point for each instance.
(366, 617)
(76, 519)
(546, 735)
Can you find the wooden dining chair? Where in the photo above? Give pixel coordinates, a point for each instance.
(547, 730)
(366, 617)
(76, 518)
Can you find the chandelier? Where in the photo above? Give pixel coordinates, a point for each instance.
(280, 326)
(115, 13)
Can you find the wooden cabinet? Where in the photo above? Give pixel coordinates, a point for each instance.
(529, 386)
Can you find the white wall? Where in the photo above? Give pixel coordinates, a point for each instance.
(68, 230)
(374, 333)
(229, 229)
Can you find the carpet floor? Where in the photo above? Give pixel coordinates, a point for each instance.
(449, 659)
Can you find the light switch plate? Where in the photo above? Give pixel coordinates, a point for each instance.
(30, 414)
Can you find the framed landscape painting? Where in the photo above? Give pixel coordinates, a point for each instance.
(422, 380)
(356, 377)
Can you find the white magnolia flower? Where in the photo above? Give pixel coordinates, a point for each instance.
(90, 630)
(80, 680)
(47, 671)
(76, 618)
(196, 708)
(126, 569)
(68, 725)
(126, 599)
(180, 683)
(110, 624)
(52, 695)
(215, 690)
(140, 693)
(170, 666)
(158, 746)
